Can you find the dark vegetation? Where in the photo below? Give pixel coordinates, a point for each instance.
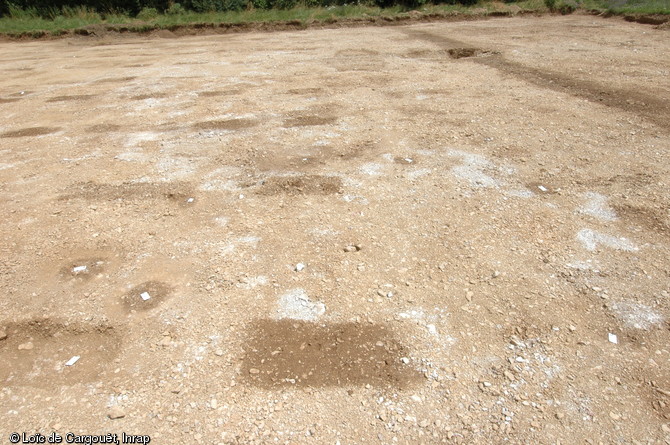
(51, 18)
(149, 8)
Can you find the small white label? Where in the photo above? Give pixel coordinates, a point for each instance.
(613, 338)
(145, 296)
(190, 200)
(542, 188)
(78, 269)
(72, 361)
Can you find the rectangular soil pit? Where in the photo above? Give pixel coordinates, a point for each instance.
(298, 353)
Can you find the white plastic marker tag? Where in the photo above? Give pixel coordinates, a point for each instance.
(145, 296)
(78, 269)
(612, 338)
(72, 361)
(542, 188)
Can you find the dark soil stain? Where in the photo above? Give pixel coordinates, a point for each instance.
(541, 188)
(654, 219)
(217, 93)
(461, 53)
(309, 120)
(147, 296)
(149, 96)
(103, 128)
(229, 124)
(175, 192)
(116, 79)
(27, 132)
(83, 269)
(408, 160)
(284, 353)
(10, 100)
(71, 98)
(305, 91)
(38, 350)
(301, 185)
(362, 52)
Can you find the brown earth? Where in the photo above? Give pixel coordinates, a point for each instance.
(430, 233)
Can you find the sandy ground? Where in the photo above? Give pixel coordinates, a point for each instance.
(446, 232)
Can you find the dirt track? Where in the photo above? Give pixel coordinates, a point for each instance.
(425, 233)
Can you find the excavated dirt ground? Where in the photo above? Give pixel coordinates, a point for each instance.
(445, 232)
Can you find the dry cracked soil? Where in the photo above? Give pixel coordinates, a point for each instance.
(431, 233)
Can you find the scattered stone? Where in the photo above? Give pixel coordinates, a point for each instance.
(3, 334)
(509, 376)
(352, 248)
(254, 371)
(26, 346)
(560, 416)
(666, 428)
(299, 267)
(405, 360)
(416, 398)
(116, 413)
(214, 404)
(424, 423)
(218, 352)
(614, 416)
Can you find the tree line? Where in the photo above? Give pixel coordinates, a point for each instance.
(51, 8)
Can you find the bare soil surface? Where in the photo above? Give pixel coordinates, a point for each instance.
(435, 233)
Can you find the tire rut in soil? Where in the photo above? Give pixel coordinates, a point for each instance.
(654, 109)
